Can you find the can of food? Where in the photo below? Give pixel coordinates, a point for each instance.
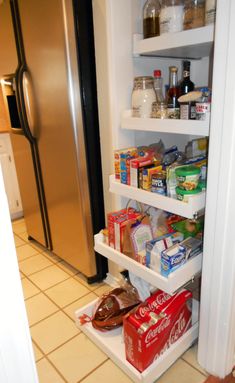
(159, 183)
(187, 177)
(184, 195)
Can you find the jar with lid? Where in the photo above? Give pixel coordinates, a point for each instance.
(151, 12)
(210, 12)
(159, 110)
(194, 14)
(143, 95)
(171, 16)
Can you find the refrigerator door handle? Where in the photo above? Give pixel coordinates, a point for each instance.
(28, 102)
(20, 97)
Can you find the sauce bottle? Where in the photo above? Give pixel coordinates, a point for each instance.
(173, 109)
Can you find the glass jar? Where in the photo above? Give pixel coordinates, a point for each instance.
(171, 16)
(159, 110)
(194, 14)
(151, 12)
(143, 95)
(210, 12)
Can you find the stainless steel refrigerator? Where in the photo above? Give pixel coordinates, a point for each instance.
(53, 111)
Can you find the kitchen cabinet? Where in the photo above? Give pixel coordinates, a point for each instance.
(10, 176)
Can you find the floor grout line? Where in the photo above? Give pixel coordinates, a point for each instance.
(194, 367)
(90, 373)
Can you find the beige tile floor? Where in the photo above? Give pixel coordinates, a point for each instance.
(53, 291)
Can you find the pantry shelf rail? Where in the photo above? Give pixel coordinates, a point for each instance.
(171, 284)
(192, 127)
(188, 210)
(112, 344)
(191, 44)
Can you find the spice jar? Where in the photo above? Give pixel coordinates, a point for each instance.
(159, 110)
(143, 95)
(151, 12)
(171, 16)
(194, 14)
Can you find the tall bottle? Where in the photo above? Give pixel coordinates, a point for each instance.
(173, 94)
(157, 82)
(151, 11)
(186, 85)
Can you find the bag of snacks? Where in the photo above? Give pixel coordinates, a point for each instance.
(112, 307)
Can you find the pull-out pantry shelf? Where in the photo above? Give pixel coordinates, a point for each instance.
(191, 127)
(112, 344)
(194, 207)
(192, 44)
(175, 280)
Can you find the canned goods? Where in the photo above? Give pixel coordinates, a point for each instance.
(159, 183)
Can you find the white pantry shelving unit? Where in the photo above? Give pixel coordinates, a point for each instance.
(190, 127)
(174, 281)
(112, 344)
(124, 43)
(194, 207)
(191, 44)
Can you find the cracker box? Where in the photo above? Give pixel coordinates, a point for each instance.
(151, 328)
(147, 176)
(117, 158)
(125, 159)
(117, 222)
(136, 166)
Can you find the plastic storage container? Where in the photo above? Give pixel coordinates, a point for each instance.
(171, 16)
(194, 14)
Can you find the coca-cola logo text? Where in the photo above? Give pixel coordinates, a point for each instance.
(154, 305)
(157, 330)
(177, 329)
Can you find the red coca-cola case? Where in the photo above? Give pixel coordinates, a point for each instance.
(147, 339)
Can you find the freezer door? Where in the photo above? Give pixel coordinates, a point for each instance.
(28, 188)
(50, 48)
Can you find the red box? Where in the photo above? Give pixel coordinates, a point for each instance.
(152, 327)
(117, 222)
(138, 164)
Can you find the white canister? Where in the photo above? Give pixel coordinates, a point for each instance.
(143, 95)
(210, 12)
(171, 16)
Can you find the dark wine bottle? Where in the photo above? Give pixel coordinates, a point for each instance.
(186, 85)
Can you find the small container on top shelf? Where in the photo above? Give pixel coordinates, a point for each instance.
(194, 14)
(143, 95)
(151, 10)
(210, 13)
(171, 16)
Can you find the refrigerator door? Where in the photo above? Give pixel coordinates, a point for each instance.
(28, 188)
(50, 50)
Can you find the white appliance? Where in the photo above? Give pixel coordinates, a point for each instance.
(121, 55)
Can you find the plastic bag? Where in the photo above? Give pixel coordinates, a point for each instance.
(112, 307)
